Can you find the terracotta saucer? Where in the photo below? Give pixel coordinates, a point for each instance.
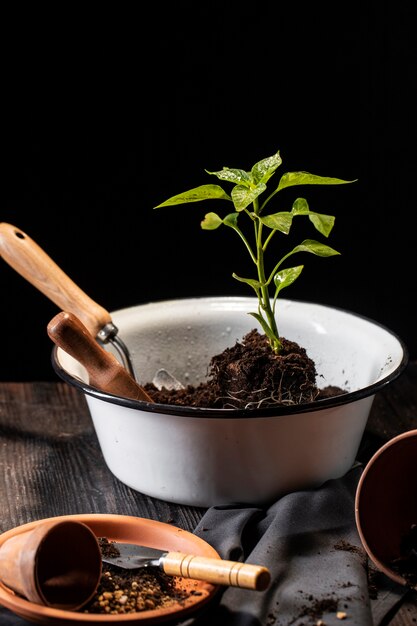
(131, 530)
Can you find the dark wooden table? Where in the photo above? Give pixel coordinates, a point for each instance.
(51, 463)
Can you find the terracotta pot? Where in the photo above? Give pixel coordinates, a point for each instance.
(203, 457)
(386, 502)
(57, 563)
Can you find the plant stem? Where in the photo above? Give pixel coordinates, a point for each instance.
(265, 301)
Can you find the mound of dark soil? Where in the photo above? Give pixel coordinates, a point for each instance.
(251, 375)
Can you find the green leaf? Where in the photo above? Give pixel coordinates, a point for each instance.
(315, 247)
(243, 197)
(300, 207)
(204, 192)
(263, 170)
(211, 221)
(290, 179)
(322, 223)
(286, 277)
(231, 220)
(255, 284)
(233, 176)
(278, 221)
(265, 327)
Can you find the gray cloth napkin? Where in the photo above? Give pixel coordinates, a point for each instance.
(308, 540)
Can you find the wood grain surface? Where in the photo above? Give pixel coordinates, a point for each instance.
(51, 463)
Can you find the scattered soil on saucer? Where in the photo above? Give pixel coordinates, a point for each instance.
(131, 591)
(250, 375)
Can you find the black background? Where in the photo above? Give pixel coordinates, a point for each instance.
(107, 114)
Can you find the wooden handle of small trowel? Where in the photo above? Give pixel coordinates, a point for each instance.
(104, 370)
(216, 571)
(31, 262)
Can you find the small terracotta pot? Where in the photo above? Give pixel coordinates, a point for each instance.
(57, 564)
(386, 501)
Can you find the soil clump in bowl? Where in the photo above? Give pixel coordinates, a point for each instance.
(250, 375)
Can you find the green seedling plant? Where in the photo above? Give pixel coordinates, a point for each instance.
(245, 196)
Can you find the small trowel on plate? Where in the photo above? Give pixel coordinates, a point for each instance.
(209, 569)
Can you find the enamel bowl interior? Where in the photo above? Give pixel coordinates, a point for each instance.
(181, 336)
(202, 457)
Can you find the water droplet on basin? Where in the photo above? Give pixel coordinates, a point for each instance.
(163, 378)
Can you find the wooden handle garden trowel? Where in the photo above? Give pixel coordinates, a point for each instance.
(104, 370)
(28, 259)
(216, 571)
